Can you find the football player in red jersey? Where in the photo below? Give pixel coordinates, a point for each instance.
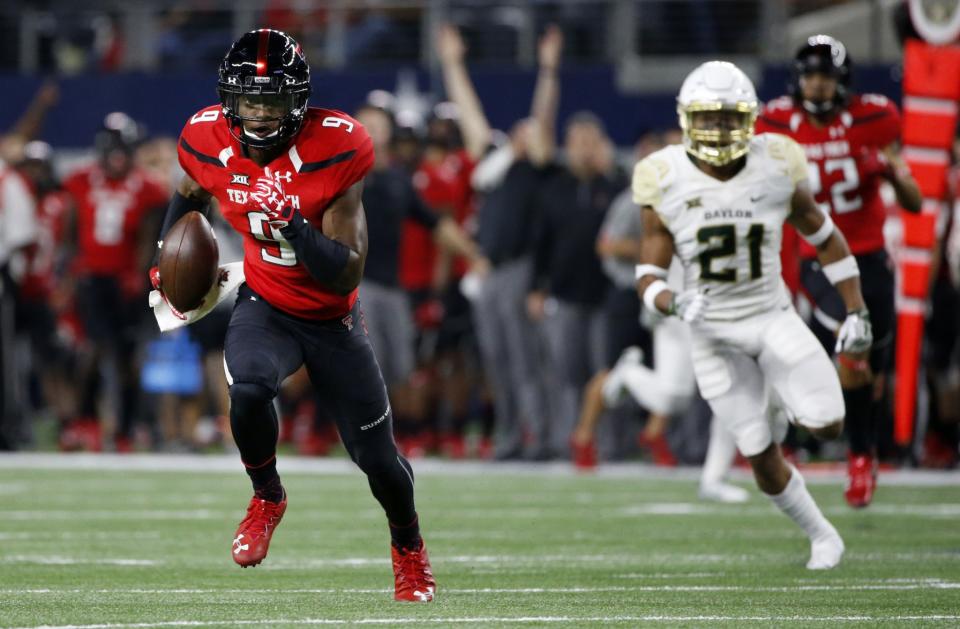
(117, 209)
(851, 146)
(289, 179)
(44, 296)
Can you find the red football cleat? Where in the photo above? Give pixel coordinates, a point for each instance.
(413, 578)
(659, 450)
(861, 480)
(252, 539)
(584, 455)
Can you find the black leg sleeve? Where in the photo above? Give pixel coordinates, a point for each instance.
(389, 474)
(254, 422)
(859, 422)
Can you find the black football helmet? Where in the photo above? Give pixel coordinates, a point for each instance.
(119, 132)
(826, 55)
(116, 142)
(268, 67)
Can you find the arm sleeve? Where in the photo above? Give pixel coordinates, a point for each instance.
(323, 257)
(178, 208)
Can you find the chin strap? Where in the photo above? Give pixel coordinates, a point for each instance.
(818, 109)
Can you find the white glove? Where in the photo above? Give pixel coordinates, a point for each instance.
(690, 305)
(856, 333)
(230, 277)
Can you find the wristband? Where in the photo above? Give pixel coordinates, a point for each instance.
(820, 236)
(651, 269)
(650, 295)
(842, 269)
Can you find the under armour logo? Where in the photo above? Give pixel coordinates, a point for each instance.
(284, 176)
(237, 546)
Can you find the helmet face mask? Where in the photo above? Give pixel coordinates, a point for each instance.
(717, 108)
(264, 88)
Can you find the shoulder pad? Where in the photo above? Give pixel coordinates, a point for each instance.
(865, 104)
(335, 144)
(779, 107)
(786, 153)
(650, 177)
(328, 132)
(204, 137)
(878, 115)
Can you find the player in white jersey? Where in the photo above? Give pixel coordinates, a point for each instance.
(719, 202)
(668, 390)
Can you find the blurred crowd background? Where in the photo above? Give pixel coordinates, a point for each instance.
(490, 364)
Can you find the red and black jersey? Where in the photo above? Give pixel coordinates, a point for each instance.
(444, 186)
(331, 152)
(41, 275)
(109, 215)
(834, 153)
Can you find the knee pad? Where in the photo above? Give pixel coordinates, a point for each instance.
(753, 437)
(249, 400)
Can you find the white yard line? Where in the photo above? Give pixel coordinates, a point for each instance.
(414, 620)
(60, 560)
(499, 561)
(642, 509)
(117, 514)
(922, 584)
(220, 463)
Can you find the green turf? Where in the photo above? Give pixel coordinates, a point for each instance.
(153, 549)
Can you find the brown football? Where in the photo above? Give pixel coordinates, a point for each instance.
(189, 260)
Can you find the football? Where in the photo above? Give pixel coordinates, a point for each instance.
(189, 259)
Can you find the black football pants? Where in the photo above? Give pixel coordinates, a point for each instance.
(265, 345)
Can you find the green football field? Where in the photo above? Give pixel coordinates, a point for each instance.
(113, 542)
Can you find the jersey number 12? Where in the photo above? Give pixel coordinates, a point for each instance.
(839, 191)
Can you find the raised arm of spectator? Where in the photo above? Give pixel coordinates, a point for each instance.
(28, 125)
(459, 88)
(546, 97)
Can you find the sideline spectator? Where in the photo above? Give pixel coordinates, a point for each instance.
(568, 284)
(18, 230)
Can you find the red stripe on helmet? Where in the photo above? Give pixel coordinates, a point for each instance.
(262, 46)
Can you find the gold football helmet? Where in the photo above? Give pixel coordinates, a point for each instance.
(717, 107)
